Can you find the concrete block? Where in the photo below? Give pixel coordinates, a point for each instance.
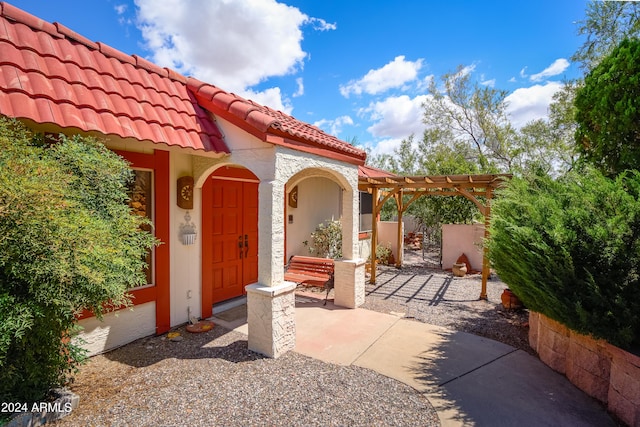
(553, 344)
(589, 365)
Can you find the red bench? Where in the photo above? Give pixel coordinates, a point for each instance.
(308, 270)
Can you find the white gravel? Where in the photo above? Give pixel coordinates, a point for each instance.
(211, 379)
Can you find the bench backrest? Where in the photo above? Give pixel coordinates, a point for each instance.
(311, 264)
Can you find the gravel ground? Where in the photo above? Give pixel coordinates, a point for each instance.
(436, 297)
(213, 379)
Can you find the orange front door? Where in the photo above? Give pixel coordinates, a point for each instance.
(229, 240)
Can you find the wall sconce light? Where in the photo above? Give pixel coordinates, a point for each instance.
(293, 197)
(188, 231)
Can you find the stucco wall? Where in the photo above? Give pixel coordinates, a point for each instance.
(118, 328)
(462, 238)
(186, 273)
(388, 236)
(319, 200)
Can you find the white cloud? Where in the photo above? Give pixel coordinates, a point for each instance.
(523, 73)
(558, 67)
(334, 126)
(271, 97)
(321, 24)
(465, 71)
(233, 44)
(386, 146)
(531, 103)
(120, 8)
(300, 90)
(392, 75)
(396, 117)
(490, 83)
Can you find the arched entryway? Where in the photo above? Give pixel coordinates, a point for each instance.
(321, 195)
(229, 235)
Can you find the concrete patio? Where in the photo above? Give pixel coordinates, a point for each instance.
(470, 380)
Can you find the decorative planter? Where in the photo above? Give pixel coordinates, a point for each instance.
(201, 326)
(510, 301)
(459, 269)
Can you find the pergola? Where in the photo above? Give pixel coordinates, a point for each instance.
(386, 186)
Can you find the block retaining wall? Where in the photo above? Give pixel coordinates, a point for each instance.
(603, 371)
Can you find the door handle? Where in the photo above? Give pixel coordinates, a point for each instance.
(246, 245)
(240, 245)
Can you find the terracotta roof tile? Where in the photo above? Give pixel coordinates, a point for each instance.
(269, 121)
(366, 171)
(50, 74)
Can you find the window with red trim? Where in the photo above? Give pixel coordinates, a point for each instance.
(141, 203)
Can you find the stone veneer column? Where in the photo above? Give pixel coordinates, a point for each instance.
(271, 301)
(349, 283)
(271, 318)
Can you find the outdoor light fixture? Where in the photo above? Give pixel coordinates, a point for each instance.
(188, 231)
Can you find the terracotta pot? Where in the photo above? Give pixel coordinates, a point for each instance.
(459, 269)
(510, 301)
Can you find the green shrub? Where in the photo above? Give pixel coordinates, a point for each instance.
(608, 111)
(570, 249)
(67, 243)
(327, 240)
(383, 254)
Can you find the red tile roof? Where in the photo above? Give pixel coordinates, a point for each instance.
(365, 171)
(49, 74)
(263, 121)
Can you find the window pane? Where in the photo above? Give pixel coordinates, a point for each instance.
(141, 204)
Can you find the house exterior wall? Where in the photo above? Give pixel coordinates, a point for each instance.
(118, 328)
(277, 168)
(186, 289)
(319, 199)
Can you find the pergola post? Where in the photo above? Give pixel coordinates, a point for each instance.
(485, 254)
(374, 234)
(400, 236)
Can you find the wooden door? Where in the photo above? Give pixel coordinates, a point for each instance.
(229, 241)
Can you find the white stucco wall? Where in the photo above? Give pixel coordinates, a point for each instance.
(388, 236)
(319, 200)
(462, 238)
(186, 271)
(118, 328)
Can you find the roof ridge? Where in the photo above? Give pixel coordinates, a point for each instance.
(60, 31)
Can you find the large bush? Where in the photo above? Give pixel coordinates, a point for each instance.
(570, 249)
(67, 243)
(608, 111)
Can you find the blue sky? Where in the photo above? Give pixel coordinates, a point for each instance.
(357, 69)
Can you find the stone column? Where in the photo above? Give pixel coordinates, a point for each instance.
(271, 318)
(349, 283)
(271, 301)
